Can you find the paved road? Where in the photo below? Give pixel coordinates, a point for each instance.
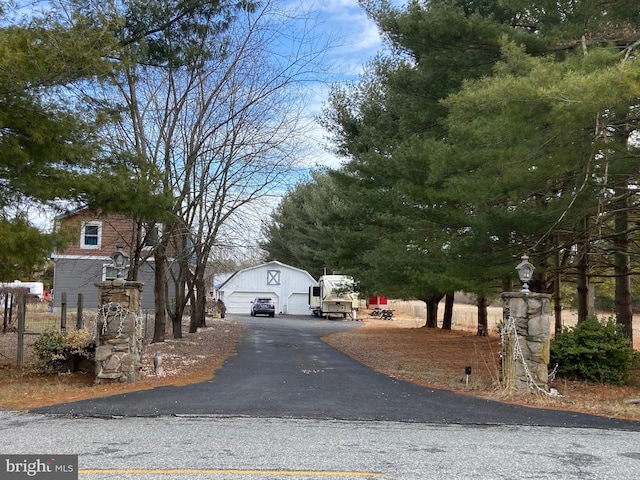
(195, 448)
(289, 406)
(284, 370)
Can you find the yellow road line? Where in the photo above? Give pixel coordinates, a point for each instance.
(291, 473)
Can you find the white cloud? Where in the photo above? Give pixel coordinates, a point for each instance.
(354, 40)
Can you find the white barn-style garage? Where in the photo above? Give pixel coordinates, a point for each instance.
(288, 287)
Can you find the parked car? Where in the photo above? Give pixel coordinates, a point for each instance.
(263, 306)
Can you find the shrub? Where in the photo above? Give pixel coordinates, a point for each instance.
(596, 351)
(80, 342)
(57, 352)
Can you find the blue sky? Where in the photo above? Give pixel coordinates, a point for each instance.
(355, 41)
(360, 34)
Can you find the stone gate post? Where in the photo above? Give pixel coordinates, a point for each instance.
(525, 336)
(119, 336)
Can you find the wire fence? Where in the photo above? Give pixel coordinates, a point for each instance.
(465, 317)
(16, 342)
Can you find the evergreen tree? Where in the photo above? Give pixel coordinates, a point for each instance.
(48, 144)
(49, 147)
(477, 143)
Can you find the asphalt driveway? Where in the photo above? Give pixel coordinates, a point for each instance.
(284, 370)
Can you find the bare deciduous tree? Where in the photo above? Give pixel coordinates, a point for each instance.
(220, 113)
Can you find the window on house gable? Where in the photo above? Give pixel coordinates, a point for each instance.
(273, 277)
(91, 235)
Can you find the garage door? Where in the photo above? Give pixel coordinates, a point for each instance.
(298, 304)
(240, 302)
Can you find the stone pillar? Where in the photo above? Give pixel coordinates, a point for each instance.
(119, 336)
(525, 336)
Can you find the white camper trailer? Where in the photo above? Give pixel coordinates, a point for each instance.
(36, 289)
(334, 295)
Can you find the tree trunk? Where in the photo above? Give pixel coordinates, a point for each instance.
(483, 317)
(136, 252)
(201, 302)
(176, 321)
(178, 312)
(447, 319)
(198, 297)
(557, 298)
(583, 277)
(583, 289)
(432, 310)
(193, 305)
(432, 314)
(160, 292)
(624, 310)
(183, 282)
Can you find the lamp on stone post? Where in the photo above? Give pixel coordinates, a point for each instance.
(119, 259)
(525, 272)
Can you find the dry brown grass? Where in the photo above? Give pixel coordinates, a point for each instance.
(400, 348)
(437, 358)
(430, 357)
(191, 359)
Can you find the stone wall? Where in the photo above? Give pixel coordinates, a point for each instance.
(119, 332)
(525, 341)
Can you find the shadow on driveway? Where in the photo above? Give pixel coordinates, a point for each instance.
(284, 370)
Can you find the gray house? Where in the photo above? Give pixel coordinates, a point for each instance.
(288, 287)
(87, 258)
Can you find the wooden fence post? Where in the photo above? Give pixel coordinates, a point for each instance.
(80, 319)
(63, 312)
(12, 300)
(7, 296)
(22, 308)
